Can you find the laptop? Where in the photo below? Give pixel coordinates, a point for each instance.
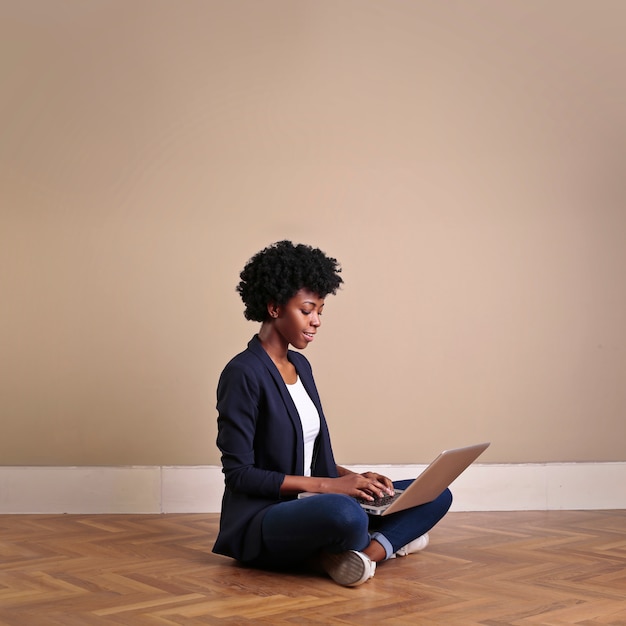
(428, 485)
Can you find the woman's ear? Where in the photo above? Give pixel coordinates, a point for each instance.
(273, 310)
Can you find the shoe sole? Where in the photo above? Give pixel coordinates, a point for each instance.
(346, 568)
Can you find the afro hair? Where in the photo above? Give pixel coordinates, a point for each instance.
(278, 272)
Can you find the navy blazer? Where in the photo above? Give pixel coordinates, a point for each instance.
(260, 438)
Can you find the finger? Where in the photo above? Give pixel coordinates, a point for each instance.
(378, 489)
(387, 484)
(380, 484)
(365, 494)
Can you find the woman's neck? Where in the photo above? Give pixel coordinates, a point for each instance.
(277, 348)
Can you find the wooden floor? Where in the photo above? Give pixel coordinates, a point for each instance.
(545, 568)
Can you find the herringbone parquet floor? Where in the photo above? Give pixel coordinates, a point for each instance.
(523, 568)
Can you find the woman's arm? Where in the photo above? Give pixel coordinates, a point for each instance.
(381, 481)
(368, 486)
(238, 398)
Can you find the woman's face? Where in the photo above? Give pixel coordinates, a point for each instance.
(298, 320)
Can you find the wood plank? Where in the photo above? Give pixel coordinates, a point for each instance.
(513, 568)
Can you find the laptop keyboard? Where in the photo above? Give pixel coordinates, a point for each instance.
(384, 501)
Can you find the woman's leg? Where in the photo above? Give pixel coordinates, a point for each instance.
(296, 530)
(398, 529)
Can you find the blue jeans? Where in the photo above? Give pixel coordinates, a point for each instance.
(297, 530)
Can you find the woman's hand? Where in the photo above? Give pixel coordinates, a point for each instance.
(368, 486)
(386, 482)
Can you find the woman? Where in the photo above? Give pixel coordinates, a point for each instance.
(275, 444)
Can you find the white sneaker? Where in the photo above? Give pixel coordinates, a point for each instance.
(415, 546)
(349, 568)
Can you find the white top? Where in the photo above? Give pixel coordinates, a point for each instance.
(310, 420)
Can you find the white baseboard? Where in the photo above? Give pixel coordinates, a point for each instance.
(198, 489)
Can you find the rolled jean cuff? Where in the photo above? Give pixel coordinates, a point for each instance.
(384, 542)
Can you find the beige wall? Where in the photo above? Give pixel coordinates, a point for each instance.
(463, 160)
